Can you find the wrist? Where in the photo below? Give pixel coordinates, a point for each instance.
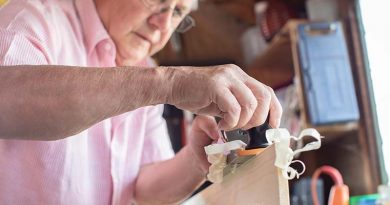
(176, 78)
(195, 162)
(144, 86)
(162, 85)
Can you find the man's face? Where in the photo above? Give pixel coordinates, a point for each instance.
(140, 28)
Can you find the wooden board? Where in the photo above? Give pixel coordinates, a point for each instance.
(256, 182)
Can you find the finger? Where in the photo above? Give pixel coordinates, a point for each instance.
(247, 101)
(205, 131)
(263, 97)
(230, 109)
(276, 110)
(212, 110)
(209, 126)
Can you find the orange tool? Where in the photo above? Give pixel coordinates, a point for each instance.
(255, 139)
(339, 193)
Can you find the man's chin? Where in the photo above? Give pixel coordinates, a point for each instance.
(129, 61)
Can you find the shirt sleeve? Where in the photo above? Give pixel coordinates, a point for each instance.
(17, 49)
(26, 34)
(157, 145)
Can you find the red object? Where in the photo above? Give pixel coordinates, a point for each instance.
(339, 193)
(275, 16)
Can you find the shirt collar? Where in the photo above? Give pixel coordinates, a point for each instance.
(93, 28)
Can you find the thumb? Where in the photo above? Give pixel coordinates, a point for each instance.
(208, 126)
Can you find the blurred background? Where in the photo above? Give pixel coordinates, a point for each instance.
(327, 61)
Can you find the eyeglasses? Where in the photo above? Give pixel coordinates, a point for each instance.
(161, 6)
(186, 24)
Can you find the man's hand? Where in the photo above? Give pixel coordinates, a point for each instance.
(227, 92)
(204, 131)
(224, 91)
(187, 170)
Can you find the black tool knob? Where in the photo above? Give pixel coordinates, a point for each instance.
(257, 135)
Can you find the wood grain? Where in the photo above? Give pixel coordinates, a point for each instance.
(257, 181)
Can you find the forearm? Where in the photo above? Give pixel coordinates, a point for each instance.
(53, 102)
(169, 182)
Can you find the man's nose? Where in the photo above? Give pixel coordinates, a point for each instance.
(162, 20)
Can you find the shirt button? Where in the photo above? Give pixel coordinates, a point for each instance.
(107, 47)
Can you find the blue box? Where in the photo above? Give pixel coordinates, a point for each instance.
(326, 73)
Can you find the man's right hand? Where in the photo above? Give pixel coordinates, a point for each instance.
(95, 94)
(227, 92)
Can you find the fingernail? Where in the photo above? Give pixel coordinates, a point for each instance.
(278, 122)
(215, 135)
(220, 133)
(220, 125)
(245, 128)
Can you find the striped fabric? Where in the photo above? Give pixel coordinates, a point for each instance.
(99, 165)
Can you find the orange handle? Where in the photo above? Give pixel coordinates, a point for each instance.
(339, 195)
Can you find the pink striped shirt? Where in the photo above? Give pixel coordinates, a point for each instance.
(99, 165)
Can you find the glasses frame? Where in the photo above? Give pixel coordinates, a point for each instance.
(185, 24)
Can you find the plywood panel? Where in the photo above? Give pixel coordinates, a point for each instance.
(257, 181)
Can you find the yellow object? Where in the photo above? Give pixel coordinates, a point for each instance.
(3, 2)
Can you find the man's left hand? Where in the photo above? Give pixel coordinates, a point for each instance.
(204, 131)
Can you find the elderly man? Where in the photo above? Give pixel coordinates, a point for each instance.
(77, 135)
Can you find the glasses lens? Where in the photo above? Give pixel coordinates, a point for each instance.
(151, 3)
(186, 24)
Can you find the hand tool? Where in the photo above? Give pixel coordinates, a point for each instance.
(256, 141)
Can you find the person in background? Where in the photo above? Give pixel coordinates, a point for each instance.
(80, 106)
